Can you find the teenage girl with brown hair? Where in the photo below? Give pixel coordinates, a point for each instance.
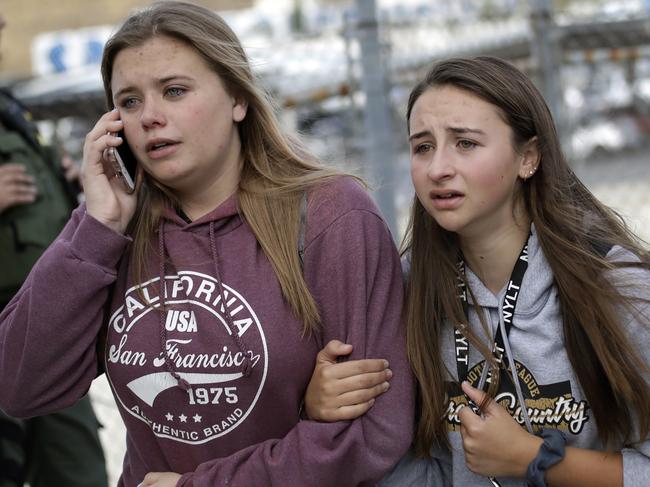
(527, 299)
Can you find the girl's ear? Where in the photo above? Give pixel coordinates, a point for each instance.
(239, 109)
(530, 159)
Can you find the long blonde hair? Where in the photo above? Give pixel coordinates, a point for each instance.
(574, 230)
(276, 169)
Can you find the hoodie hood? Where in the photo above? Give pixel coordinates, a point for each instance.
(536, 285)
(225, 218)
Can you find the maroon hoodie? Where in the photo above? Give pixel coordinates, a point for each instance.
(222, 405)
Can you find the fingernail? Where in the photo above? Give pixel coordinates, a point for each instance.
(385, 386)
(389, 373)
(371, 402)
(386, 364)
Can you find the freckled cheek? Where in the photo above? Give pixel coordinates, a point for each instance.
(418, 171)
(148, 169)
(206, 135)
(205, 123)
(489, 179)
(490, 188)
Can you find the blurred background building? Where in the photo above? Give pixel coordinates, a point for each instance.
(32, 18)
(341, 71)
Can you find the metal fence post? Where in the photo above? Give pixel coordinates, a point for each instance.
(380, 151)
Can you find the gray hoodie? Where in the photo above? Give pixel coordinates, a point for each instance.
(550, 388)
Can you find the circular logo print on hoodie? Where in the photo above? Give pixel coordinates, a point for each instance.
(193, 371)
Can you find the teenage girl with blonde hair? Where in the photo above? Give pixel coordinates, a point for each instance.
(206, 293)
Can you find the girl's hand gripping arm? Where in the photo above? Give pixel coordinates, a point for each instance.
(345, 390)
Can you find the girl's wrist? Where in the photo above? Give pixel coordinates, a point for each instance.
(526, 452)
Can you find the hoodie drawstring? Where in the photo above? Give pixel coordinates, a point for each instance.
(246, 370)
(182, 383)
(513, 370)
(169, 362)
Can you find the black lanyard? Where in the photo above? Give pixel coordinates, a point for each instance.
(508, 310)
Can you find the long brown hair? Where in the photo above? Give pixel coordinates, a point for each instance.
(574, 230)
(276, 169)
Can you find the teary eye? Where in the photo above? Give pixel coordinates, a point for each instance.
(466, 144)
(175, 91)
(422, 148)
(128, 102)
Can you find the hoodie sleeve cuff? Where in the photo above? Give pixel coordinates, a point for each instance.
(636, 465)
(185, 480)
(94, 242)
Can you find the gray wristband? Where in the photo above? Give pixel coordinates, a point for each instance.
(550, 453)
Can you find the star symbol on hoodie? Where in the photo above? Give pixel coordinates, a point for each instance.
(183, 418)
(169, 417)
(197, 418)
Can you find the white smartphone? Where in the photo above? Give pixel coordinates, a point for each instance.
(124, 163)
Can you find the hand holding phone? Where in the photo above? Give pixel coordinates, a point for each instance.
(110, 202)
(124, 163)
